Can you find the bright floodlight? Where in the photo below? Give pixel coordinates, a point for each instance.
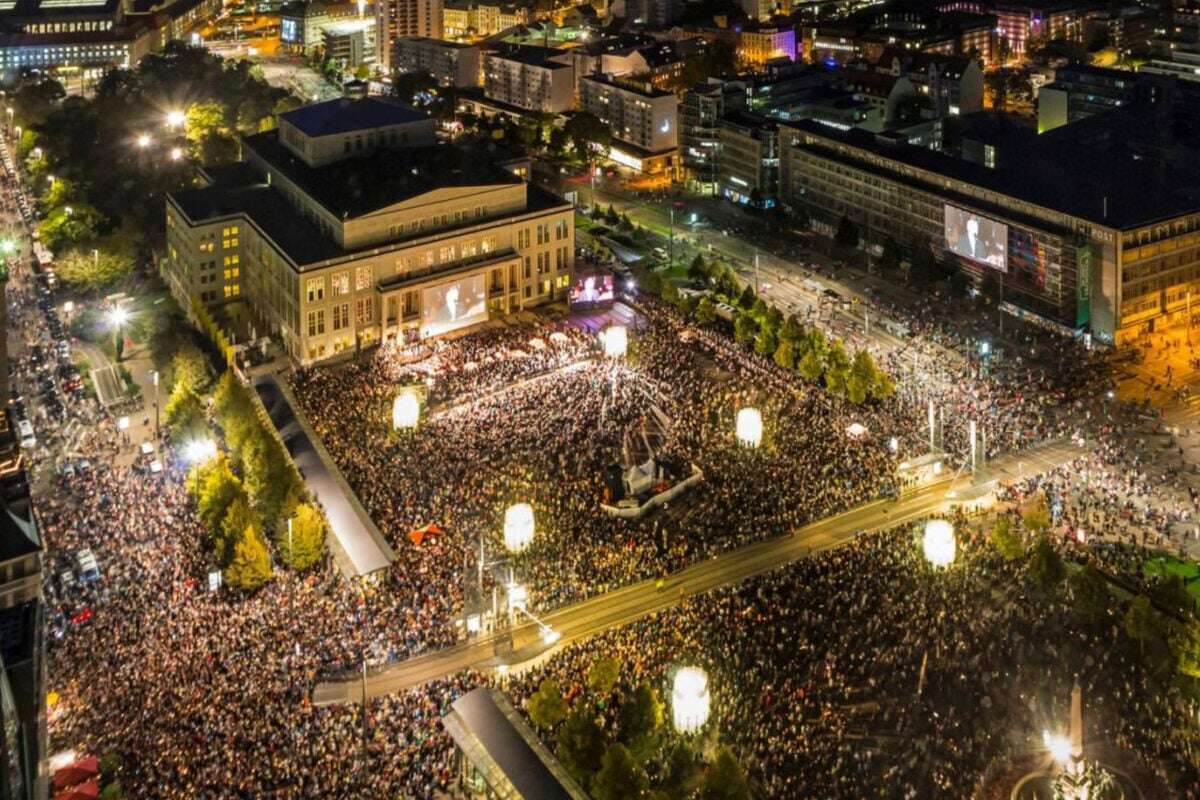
(118, 317)
(550, 636)
(7, 246)
(939, 544)
(175, 118)
(406, 411)
(143, 141)
(518, 596)
(176, 153)
(616, 341)
(856, 429)
(689, 700)
(749, 427)
(1059, 747)
(200, 450)
(518, 527)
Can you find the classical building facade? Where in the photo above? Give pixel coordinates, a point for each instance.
(348, 226)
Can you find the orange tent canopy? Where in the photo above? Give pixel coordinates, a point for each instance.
(418, 536)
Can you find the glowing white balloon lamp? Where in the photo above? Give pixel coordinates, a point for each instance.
(518, 527)
(616, 341)
(690, 702)
(749, 427)
(406, 411)
(939, 544)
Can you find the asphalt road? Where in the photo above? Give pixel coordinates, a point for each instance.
(627, 604)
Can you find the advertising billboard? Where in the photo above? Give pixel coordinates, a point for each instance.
(976, 237)
(289, 31)
(453, 305)
(592, 290)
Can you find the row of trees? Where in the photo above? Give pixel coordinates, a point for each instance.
(616, 762)
(250, 492)
(1160, 622)
(785, 340)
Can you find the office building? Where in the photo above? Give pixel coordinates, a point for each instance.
(758, 44)
(76, 37)
(302, 24)
(348, 226)
(1019, 22)
(1081, 90)
(450, 63)
(350, 44)
(748, 165)
(395, 18)
(1113, 251)
(643, 121)
(529, 78)
(699, 139)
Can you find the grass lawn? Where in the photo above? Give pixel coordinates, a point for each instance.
(1167, 565)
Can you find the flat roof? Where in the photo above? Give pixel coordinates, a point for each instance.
(356, 186)
(1129, 192)
(505, 750)
(343, 115)
(642, 90)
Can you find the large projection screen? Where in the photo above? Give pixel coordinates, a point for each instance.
(976, 237)
(453, 305)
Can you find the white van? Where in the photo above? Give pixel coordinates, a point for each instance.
(25, 431)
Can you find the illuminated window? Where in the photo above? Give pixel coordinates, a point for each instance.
(315, 289)
(229, 243)
(341, 316)
(447, 254)
(364, 310)
(316, 323)
(339, 283)
(362, 278)
(231, 260)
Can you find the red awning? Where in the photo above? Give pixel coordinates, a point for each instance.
(418, 536)
(75, 773)
(84, 791)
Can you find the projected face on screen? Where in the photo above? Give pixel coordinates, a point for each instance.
(592, 290)
(453, 305)
(976, 237)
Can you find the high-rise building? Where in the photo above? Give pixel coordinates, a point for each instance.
(530, 78)
(699, 136)
(643, 120)
(395, 18)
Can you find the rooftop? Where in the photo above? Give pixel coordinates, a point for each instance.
(641, 89)
(534, 56)
(343, 115)
(1129, 192)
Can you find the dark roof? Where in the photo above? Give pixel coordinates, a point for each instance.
(502, 747)
(1130, 191)
(356, 186)
(18, 535)
(643, 89)
(532, 55)
(343, 115)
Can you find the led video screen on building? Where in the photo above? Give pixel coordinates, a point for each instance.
(976, 237)
(289, 31)
(453, 305)
(592, 290)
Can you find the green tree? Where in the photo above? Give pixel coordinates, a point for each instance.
(669, 292)
(1185, 647)
(221, 488)
(706, 312)
(238, 517)
(305, 546)
(69, 225)
(86, 271)
(1036, 516)
(204, 120)
(747, 298)
(620, 776)
(744, 328)
(189, 369)
(1089, 589)
(837, 369)
(1046, 565)
(580, 745)
(547, 707)
(407, 85)
(640, 721)
(765, 343)
(698, 270)
(759, 310)
(785, 354)
(856, 390)
(792, 329)
(1170, 592)
(1143, 625)
(250, 565)
(811, 367)
(590, 137)
(1006, 540)
(603, 675)
(863, 368)
(725, 780)
(773, 319)
(185, 415)
(681, 774)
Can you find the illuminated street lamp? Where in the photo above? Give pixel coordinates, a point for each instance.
(690, 702)
(175, 119)
(198, 451)
(117, 319)
(176, 153)
(939, 544)
(1059, 747)
(406, 411)
(8, 247)
(749, 427)
(143, 140)
(616, 341)
(37, 153)
(518, 527)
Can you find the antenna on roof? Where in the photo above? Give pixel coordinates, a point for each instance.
(1105, 206)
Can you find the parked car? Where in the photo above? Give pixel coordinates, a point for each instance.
(25, 431)
(89, 569)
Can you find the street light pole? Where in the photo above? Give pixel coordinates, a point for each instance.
(671, 255)
(154, 380)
